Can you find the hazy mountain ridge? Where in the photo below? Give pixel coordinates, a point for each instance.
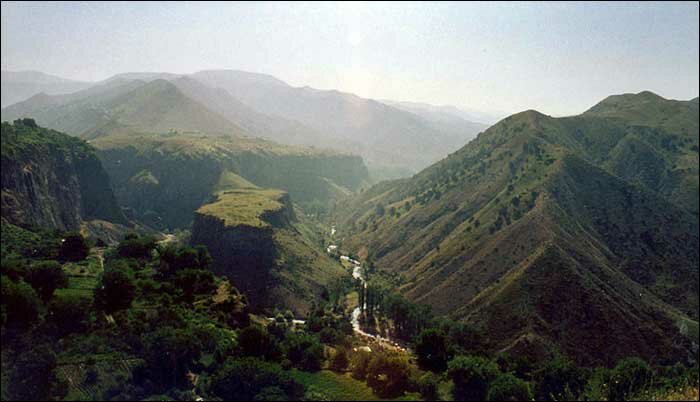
(21, 85)
(392, 140)
(119, 107)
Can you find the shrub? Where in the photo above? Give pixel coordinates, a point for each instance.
(388, 375)
(136, 247)
(194, 282)
(471, 377)
(431, 349)
(559, 379)
(116, 290)
(629, 377)
(174, 259)
(304, 351)
(74, 248)
(428, 387)
(358, 364)
(69, 313)
(340, 361)
(254, 341)
(45, 277)
(33, 378)
(21, 305)
(244, 379)
(169, 354)
(507, 387)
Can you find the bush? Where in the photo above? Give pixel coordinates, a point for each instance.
(388, 375)
(340, 361)
(174, 259)
(169, 354)
(304, 351)
(74, 248)
(136, 247)
(464, 338)
(33, 378)
(428, 387)
(244, 379)
(254, 341)
(629, 377)
(507, 387)
(471, 377)
(69, 313)
(194, 282)
(559, 379)
(45, 277)
(330, 335)
(116, 290)
(431, 349)
(20, 304)
(358, 364)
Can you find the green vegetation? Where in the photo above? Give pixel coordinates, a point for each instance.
(32, 159)
(539, 212)
(244, 207)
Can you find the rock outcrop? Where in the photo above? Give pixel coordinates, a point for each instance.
(255, 240)
(50, 179)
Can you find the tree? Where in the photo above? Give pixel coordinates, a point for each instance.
(33, 377)
(359, 363)
(244, 379)
(559, 379)
(428, 387)
(74, 248)
(340, 361)
(136, 247)
(194, 282)
(45, 277)
(630, 376)
(388, 374)
(304, 351)
(169, 354)
(116, 290)
(254, 341)
(69, 313)
(431, 349)
(507, 387)
(20, 304)
(174, 259)
(465, 338)
(471, 376)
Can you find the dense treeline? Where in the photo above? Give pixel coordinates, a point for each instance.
(152, 320)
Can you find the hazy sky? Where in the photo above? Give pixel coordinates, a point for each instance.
(558, 58)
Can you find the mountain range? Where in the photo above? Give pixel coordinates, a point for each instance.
(578, 232)
(394, 141)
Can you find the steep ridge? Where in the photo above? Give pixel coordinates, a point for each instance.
(50, 179)
(532, 193)
(257, 241)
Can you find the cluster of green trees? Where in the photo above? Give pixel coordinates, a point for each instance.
(162, 310)
(458, 354)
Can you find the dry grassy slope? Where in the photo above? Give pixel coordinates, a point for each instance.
(476, 221)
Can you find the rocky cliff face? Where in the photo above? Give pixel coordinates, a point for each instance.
(162, 179)
(52, 180)
(262, 249)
